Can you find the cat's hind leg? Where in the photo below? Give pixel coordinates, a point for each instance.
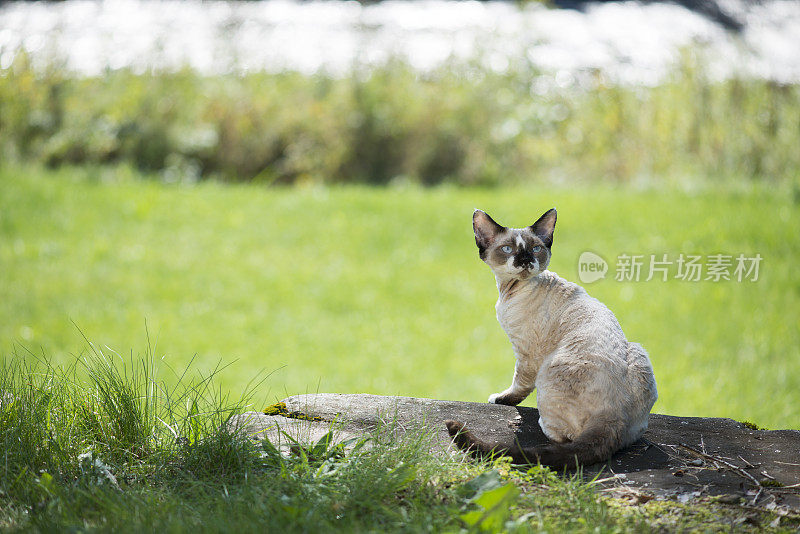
(521, 386)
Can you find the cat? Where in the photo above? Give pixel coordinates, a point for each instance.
(594, 388)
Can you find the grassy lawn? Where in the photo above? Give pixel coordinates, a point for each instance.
(354, 289)
(343, 289)
(115, 449)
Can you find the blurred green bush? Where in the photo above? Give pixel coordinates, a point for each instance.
(463, 125)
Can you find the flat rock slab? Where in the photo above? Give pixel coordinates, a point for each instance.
(680, 457)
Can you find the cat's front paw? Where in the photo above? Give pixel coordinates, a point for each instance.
(505, 399)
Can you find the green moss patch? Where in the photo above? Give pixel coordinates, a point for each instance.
(752, 426)
(279, 408)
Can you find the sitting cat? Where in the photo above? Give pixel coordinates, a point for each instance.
(594, 388)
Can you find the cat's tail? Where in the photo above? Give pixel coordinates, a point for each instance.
(595, 444)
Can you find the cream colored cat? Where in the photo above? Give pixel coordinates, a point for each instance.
(594, 389)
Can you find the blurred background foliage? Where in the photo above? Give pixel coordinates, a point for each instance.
(464, 125)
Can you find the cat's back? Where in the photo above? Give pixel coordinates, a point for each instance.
(545, 295)
(550, 309)
(579, 310)
(531, 311)
(542, 297)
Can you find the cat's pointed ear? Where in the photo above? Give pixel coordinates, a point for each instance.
(545, 227)
(486, 230)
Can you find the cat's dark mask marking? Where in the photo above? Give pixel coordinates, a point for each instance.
(524, 245)
(521, 249)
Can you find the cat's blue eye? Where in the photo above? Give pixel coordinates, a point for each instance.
(537, 248)
(507, 249)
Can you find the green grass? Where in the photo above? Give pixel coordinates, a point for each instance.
(353, 289)
(116, 448)
(123, 450)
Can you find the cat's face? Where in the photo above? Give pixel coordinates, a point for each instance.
(515, 252)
